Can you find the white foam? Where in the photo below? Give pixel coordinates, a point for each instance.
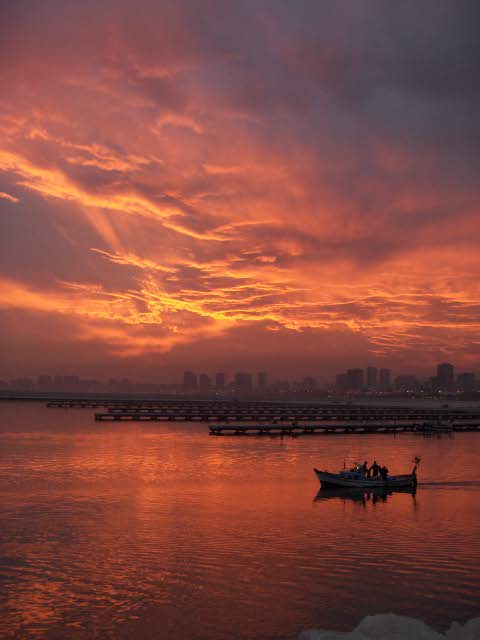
(389, 626)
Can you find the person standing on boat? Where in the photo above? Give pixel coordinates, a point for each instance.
(384, 473)
(365, 468)
(375, 468)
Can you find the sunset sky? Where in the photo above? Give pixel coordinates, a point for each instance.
(288, 185)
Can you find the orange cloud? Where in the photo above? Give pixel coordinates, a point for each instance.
(7, 196)
(239, 175)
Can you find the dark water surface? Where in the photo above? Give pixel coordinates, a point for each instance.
(157, 531)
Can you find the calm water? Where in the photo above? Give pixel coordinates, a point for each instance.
(163, 532)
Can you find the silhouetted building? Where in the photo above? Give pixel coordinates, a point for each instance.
(70, 383)
(372, 377)
(341, 381)
(58, 382)
(355, 379)
(220, 381)
(23, 384)
(243, 382)
(44, 382)
(385, 383)
(309, 384)
(466, 381)
(190, 382)
(90, 386)
(446, 376)
(406, 383)
(281, 386)
(262, 381)
(204, 383)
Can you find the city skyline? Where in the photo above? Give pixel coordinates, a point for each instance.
(367, 379)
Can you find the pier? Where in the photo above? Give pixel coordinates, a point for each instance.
(281, 413)
(230, 417)
(319, 429)
(264, 410)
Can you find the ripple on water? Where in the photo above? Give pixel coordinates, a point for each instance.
(123, 531)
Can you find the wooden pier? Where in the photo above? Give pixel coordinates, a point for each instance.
(282, 414)
(293, 428)
(319, 429)
(285, 418)
(263, 411)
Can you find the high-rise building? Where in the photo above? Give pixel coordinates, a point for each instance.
(385, 383)
(446, 376)
(262, 381)
(341, 381)
(355, 379)
(220, 381)
(372, 377)
(190, 382)
(243, 382)
(466, 381)
(204, 383)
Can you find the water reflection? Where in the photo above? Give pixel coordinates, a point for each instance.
(363, 495)
(158, 531)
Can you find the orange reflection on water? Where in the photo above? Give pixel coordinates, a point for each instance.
(131, 531)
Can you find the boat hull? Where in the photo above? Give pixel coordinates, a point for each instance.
(328, 479)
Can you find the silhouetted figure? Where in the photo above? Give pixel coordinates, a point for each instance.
(375, 468)
(365, 468)
(384, 473)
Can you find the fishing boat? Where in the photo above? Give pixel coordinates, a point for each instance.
(356, 478)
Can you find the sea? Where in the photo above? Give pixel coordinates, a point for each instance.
(159, 531)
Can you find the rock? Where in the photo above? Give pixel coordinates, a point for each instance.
(469, 631)
(389, 626)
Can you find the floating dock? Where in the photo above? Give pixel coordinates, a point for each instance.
(259, 411)
(293, 428)
(273, 416)
(284, 418)
(319, 429)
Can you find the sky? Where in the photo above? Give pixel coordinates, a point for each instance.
(286, 185)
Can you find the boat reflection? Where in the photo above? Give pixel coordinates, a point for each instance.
(362, 495)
